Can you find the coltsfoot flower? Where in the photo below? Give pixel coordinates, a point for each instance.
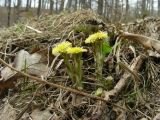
(75, 50)
(96, 37)
(61, 48)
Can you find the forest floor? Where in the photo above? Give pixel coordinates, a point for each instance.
(34, 84)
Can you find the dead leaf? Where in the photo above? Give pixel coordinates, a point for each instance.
(40, 115)
(7, 112)
(153, 54)
(7, 73)
(29, 63)
(157, 117)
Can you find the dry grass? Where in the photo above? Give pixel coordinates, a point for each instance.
(136, 100)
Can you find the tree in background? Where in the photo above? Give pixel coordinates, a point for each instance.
(28, 5)
(61, 5)
(84, 4)
(158, 7)
(113, 10)
(18, 6)
(56, 6)
(51, 6)
(127, 9)
(5, 3)
(143, 9)
(9, 12)
(39, 8)
(152, 7)
(100, 7)
(90, 4)
(69, 5)
(75, 5)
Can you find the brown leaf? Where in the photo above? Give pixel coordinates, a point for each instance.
(30, 63)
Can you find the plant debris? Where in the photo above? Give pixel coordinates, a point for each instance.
(35, 83)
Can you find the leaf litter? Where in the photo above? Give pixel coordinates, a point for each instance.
(133, 93)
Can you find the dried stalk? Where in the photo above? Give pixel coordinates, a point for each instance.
(136, 64)
(52, 84)
(146, 42)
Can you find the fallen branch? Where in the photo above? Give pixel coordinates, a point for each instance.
(146, 42)
(136, 64)
(33, 29)
(52, 84)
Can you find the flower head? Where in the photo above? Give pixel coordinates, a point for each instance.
(75, 50)
(96, 37)
(61, 48)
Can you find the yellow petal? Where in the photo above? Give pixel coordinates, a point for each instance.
(96, 37)
(61, 48)
(75, 50)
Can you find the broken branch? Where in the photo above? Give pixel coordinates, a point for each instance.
(52, 84)
(145, 41)
(136, 64)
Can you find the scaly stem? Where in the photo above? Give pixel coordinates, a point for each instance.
(74, 70)
(99, 58)
(78, 70)
(68, 66)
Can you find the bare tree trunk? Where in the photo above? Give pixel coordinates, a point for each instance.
(51, 6)
(83, 4)
(111, 9)
(27, 5)
(90, 4)
(143, 9)
(69, 4)
(34, 3)
(42, 4)
(30, 3)
(152, 7)
(19, 2)
(61, 6)
(56, 6)
(117, 16)
(100, 7)
(79, 4)
(9, 12)
(158, 7)
(75, 5)
(39, 8)
(5, 4)
(45, 4)
(127, 6)
(105, 8)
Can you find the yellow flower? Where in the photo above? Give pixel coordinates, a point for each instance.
(96, 37)
(75, 50)
(61, 48)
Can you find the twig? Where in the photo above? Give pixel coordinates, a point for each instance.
(143, 114)
(12, 55)
(52, 84)
(146, 42)
(28, 105)
(33, 29)
(24, 110)
(125, 67)
(136, 64)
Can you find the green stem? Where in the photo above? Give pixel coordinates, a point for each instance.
(68, 66)
(78, 70)
(99, 58)
(74, 69)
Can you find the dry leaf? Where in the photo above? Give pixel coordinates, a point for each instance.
(40, 115)
(29, 63)
(7, 112)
